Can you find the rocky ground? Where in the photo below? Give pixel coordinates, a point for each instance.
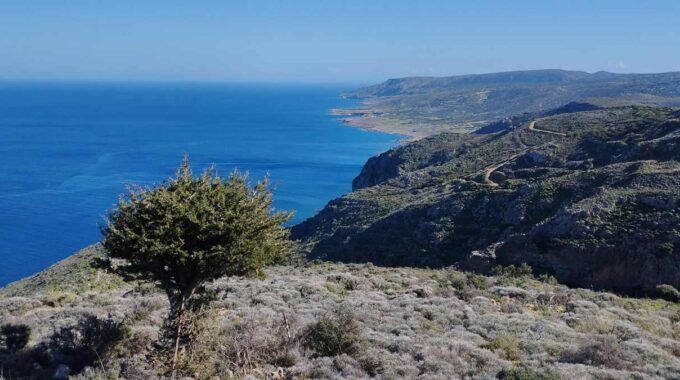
(395, 322)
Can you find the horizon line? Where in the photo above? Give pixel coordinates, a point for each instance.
(291, 82)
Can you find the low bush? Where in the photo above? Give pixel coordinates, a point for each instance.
(592, 324)
(523, 373)
(511, 306)
(520, 271)
(453, 279)
(56, 298)
(14, 337)
(602, 352)
(506, 346)
(668, 292)
(240, 348)
(372, 365)
(334, 334)
(86, 343)
(478, 281)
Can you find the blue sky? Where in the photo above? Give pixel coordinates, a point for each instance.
(346, 41)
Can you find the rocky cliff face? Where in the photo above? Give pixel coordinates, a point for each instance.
(591, 196)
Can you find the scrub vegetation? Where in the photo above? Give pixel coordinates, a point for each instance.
(324, 320)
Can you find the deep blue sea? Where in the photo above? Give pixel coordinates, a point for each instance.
(68, 150)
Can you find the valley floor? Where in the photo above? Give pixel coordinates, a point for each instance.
(404, 322)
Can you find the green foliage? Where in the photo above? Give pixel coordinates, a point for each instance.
(334, 334)
(191, 230)
(668, 292)
(522, 373)
(547, 278)
(507, 346)
(478, 281)
(453, 279)
(14, 337)
(520, 271)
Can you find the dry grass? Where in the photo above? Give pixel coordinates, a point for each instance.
(401, 323)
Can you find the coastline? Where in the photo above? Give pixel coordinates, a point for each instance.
(368, 119)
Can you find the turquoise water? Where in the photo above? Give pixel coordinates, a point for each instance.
(68, 150)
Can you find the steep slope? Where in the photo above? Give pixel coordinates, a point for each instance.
(423, 106)
(592, 197)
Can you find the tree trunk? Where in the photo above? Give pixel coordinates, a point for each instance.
(180, 315)
(184, 299)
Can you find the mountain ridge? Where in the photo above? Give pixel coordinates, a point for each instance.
(423, 106)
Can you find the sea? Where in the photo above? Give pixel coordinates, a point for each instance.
(68, 150)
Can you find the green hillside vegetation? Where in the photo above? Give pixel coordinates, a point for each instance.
(591, 197)
(423, 106)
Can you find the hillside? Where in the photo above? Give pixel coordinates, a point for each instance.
(423, 106)
(397, 323)
(588, 194)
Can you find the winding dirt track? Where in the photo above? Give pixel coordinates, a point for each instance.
(488, 171)
(532, 126)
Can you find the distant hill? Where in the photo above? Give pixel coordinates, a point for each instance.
(588, 194)
(422, 106)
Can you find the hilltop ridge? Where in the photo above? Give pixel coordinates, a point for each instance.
(423, 106)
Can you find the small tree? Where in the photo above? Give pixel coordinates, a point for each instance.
(191, 230)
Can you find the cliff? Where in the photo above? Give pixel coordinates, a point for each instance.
(590, 196)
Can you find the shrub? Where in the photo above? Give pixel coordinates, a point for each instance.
(372, 365)
(240, 348)
(668, 292)
(510, 306)
(191, 230)
(506, 346)
(605, 352)
(15, 337)
(334, 334)
(477, 281)
(453, 279)
(523, 270)
(588, 324)
(547, 278)
(56, 298)
(523, 373)
(88, 342)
